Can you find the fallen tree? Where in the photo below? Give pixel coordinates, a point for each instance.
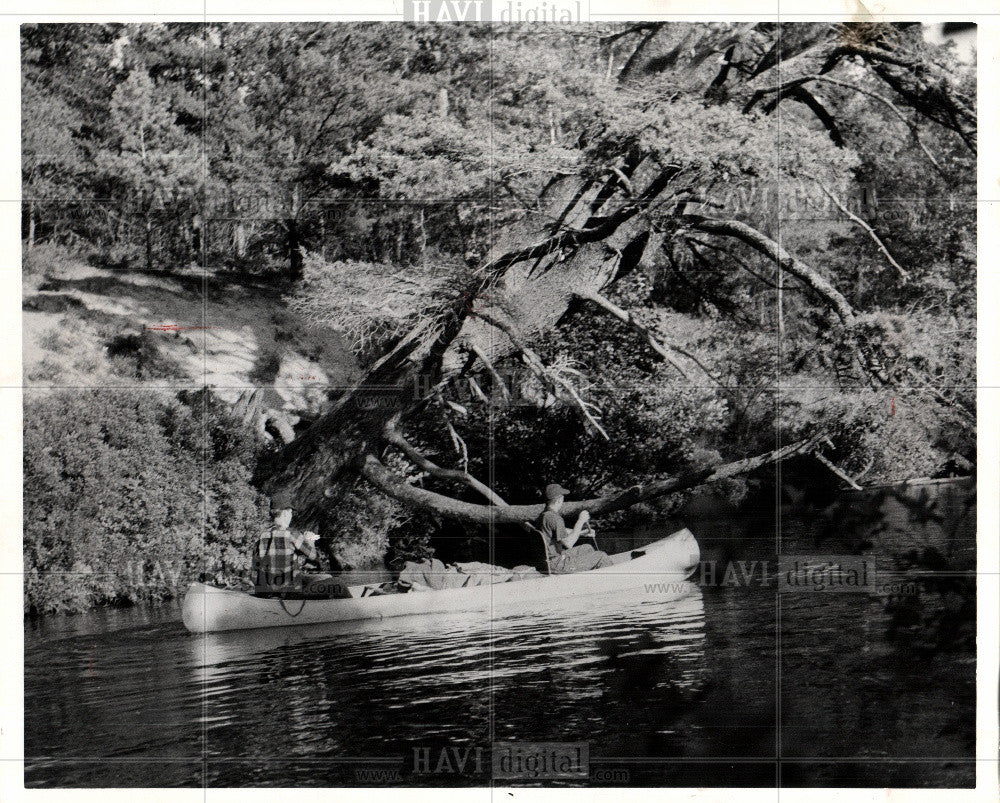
(375, 471)
(585, 232)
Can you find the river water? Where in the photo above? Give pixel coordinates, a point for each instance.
(726, 681)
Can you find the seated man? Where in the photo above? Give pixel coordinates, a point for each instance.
(564, 554)
(285, 561)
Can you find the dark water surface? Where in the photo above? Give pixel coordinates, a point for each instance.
(724, 683)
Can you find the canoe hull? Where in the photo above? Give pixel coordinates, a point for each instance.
(209, 609)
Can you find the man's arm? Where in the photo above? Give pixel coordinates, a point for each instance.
(305, 545)
(569, 538)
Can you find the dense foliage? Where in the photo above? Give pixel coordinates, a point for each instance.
(401, 178)
(881, 204)
(129, 499)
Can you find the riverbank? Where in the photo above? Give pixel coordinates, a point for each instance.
(912, 516)
(87, 326)
(136, 480)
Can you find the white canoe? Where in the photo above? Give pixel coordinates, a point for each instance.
(207, 609)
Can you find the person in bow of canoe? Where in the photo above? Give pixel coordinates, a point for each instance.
(565, 555)
(286, 561)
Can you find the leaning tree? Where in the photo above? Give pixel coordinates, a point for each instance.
(637, 162)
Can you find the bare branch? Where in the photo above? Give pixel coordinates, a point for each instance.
(626, 182)
(864, 225)
(692, 242)
(628, 318)
(280, 423)
(395, 438)
(927, 387)
(640, 48)
(373, 470)
(559, 386)
(459, 443)
(655, 344)
(792, 72)
(493, 371)
(839, 472)
(924, 85)
(764, 244)
(929, 88)
(892, 106)
(476, 390)
(597, 228)
(637, 28)
(866, 354)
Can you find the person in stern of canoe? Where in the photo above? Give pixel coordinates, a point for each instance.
(565, 555)
(285, 561)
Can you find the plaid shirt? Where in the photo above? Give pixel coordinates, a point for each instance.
(279, 558)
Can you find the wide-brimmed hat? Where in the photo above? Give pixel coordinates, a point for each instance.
(554, 490)
(282, 500)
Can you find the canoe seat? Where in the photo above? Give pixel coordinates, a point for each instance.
(544, 564)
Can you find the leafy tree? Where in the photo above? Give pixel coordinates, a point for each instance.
(65, 87)
(155, 162)
(288, 103)
(50, 153)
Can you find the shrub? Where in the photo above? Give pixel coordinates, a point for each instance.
(127, 498)
(138, 356)
(46, 372)
(55, 340)
(359, 528)
(48, 259)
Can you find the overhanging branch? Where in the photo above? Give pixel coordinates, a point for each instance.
(396, 439)
(867, 355)
(626, 317)
(559, 387)
(765, 245)
(372, 469)
(893, 108)
(904, 274)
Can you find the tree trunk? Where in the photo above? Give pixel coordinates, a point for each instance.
(781, 303)
(294, 245)
(321, 464)
(294, 252)
(583, 237)
(240, 239)
(197, 237)
(149, 242)
(31, 225)
(423, 234)
(322, 234)
(531, 274)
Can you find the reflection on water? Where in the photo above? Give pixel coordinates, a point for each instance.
(300, 700)
(698, 690)
(382, 690)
